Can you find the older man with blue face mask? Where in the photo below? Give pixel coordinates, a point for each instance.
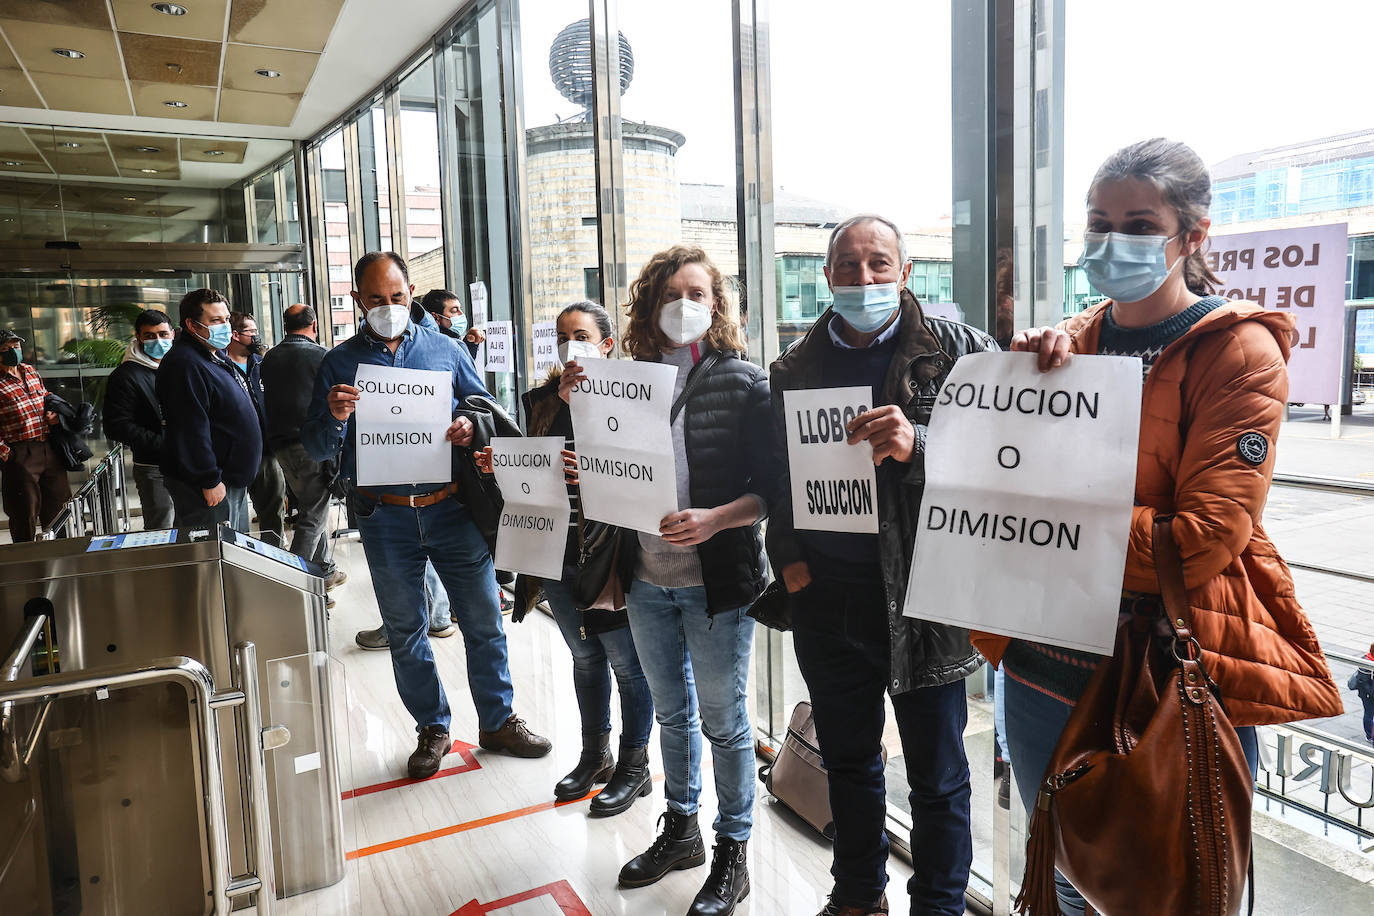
(847, 590)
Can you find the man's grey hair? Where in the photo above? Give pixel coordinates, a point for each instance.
(853, 221)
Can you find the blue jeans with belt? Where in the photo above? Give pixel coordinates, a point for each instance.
(1034, 723)
(595, 656)
(397, 541)
(840, 633)
(698, 669)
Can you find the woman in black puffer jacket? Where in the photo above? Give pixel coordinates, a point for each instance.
(696, 578)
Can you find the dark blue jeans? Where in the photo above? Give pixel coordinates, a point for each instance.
(595, 656)
(397, 541)
(841, 637)
(1034, 722)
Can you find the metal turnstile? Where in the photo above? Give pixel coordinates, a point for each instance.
(107, 814)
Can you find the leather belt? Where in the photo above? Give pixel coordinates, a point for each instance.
(414, 501)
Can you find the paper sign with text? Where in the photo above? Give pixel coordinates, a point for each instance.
(625, 464)
(1030, 479)
(834, 487)
(1300, 271)
(500, 347)
(545, 346)
(400, 422)
(477, 297)
(533, 534)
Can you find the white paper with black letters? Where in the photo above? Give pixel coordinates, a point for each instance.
(1026, 514)
(533, 532)
(400, 421)
(834, 486)
(625, 464)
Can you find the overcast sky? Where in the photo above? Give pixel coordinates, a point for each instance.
(861, 89)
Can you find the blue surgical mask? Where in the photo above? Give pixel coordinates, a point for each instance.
(1125, 268)
(220, 334)
(157, 347)
(866, 308)
(459, 324)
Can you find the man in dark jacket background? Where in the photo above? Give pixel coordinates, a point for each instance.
(847, 591)
(447, 310)
(212, 438)
(133, 417)
(288, 381)
(267, 492)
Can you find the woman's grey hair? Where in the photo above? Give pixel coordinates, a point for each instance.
(853, 221)
(1182, 180)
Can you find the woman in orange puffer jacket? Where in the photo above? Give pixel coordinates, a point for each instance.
(1214, 391)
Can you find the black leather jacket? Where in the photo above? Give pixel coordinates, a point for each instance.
(922, 654)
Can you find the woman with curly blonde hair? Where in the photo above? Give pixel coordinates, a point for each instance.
(695, 579)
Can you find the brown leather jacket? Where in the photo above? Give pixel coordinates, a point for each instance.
(1210, 416)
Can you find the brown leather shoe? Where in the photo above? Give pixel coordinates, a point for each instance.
(832, 908)
(433, 745)
(515, 739)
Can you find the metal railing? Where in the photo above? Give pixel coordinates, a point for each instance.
(225, 887)
(101, 506)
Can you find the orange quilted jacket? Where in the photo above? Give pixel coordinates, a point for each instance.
(1223, 379)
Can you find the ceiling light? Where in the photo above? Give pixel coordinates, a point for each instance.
(175, 104)
(146, 149)
(131, 198)
(11, 163)
(214, 152)
(148, 171)
(270, 74)
(171, 9)
(69, 144)
(68, 53)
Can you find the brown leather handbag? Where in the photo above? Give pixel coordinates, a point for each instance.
(1145, 805)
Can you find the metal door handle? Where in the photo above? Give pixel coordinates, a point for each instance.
(12, 757)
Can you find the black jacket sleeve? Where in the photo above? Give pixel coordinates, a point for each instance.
(761, 444)
(121, 415)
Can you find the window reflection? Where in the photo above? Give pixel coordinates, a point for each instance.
(476, 200)
(338, 255)
(374, 181)
(419, 171)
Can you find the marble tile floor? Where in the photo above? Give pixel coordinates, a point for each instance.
(486, 835)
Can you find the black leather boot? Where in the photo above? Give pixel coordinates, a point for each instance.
(595, 765)
(678, 846)
(629, 782)
(728, 882)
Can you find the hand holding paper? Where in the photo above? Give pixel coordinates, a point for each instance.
(1019, 535)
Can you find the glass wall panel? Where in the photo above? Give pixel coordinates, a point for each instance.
(476, 200)
(560, 169)
(679, 135)
(333, 224)
(265, 204)
(419, 171)
(374, 183)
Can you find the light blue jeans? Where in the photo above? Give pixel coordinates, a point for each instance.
(698, 671)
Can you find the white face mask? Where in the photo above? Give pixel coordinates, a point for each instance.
(388, 321)
(577, 350)
(685, 321)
